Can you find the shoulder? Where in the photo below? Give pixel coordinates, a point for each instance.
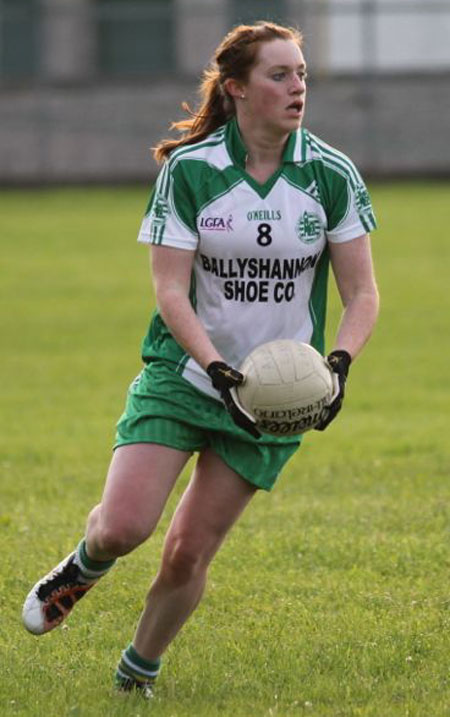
(331, 160)
(210, 151)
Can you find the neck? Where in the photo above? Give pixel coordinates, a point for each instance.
(263, 146)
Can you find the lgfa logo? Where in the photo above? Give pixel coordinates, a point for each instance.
(218, 224)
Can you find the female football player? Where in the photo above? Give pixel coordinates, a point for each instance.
(248, 211)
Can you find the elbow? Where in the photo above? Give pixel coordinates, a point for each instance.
(370, 299)
(373, 299)
(370, 308)
(169, 300)
(367, 296)
(376, 300)
(365, 303)
(167, 292)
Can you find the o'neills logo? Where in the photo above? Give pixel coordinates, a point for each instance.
(264, 215)
(289, 421)
(218, 224)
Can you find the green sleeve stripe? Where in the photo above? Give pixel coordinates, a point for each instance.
(336, 159)
(338, 162)
(161, 191)
(365, 224)
(212, 141)
(164, 181)
(154, 193)
(368, 222)
(181, 155)
(334, 156)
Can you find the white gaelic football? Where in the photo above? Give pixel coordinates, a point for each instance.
(287, 385)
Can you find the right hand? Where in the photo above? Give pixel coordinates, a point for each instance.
(339, 363)
(224, 378)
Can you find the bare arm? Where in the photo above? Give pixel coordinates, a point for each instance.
(353, 270)
(172, 269)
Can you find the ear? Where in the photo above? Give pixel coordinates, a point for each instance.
(234, 89)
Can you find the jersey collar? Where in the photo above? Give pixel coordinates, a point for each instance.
(238, 151)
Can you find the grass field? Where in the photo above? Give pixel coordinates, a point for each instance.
(331, 596)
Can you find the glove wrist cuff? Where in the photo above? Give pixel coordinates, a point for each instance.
(340, 359)
(222, 376)
(213, 366)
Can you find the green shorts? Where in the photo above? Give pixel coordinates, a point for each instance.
(162, 407)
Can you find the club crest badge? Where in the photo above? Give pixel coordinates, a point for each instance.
(159, 211)
(308, 227)
(362, 199)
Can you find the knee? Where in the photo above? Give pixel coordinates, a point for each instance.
(183, 559)
(116, 538)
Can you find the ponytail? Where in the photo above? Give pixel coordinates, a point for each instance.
(216, 109)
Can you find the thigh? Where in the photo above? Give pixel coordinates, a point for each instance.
(139, 481)
(213, 501)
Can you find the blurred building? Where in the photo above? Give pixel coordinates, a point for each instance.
(88, 86)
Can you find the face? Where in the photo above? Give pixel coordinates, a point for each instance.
(276, 87)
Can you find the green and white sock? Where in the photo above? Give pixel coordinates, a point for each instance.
(90, 569)
(134, 669)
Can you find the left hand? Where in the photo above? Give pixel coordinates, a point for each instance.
(339, 362)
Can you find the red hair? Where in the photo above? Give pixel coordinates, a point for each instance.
(234, 58)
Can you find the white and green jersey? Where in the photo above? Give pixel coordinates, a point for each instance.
(261, 260)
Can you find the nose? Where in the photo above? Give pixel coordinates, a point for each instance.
(298, 85)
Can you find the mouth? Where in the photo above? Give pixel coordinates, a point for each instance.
(295, 106)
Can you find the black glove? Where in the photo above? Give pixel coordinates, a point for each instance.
(224, 379)
(339, 362)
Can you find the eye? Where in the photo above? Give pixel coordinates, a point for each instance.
(278, 76)
(302, 74)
